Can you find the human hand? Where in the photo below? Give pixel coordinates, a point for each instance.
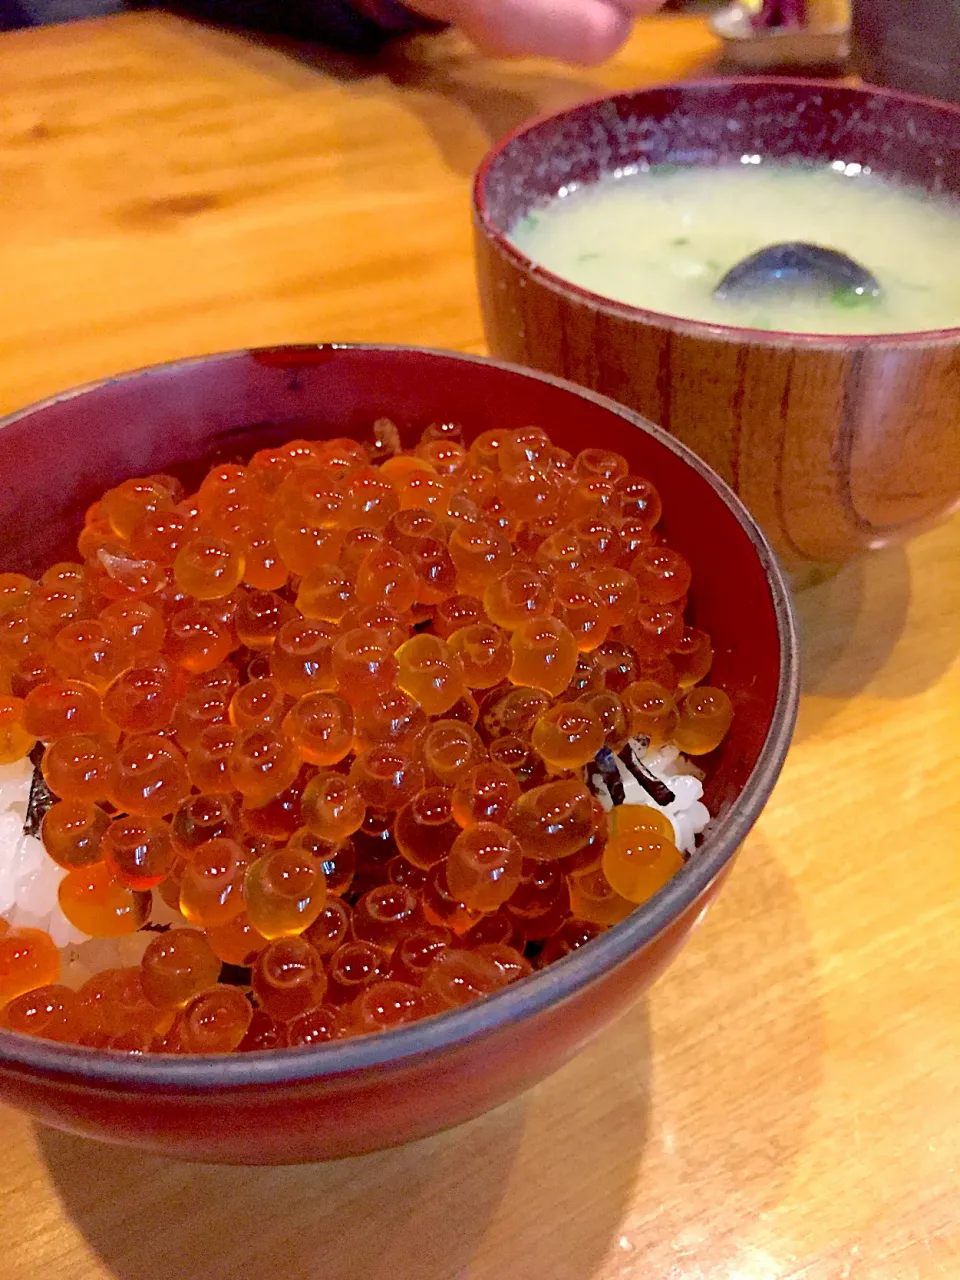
(580, 31)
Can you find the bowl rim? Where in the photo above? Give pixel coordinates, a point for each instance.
(544, 988)
(686, 326)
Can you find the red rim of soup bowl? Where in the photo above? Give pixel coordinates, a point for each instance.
(545, 987)
(663, 319)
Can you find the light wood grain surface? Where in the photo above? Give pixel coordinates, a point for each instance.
(785, 1104)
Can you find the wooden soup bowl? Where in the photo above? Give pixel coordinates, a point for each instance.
(837, 444)
(378, 1091)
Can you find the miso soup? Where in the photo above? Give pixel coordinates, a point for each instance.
(663, 237)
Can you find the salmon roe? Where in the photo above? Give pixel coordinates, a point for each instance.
(347, 736)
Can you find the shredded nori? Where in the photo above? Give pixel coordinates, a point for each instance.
(234, 975)
(657, 790)
(605, 769)
(41, 797)
(151, 927)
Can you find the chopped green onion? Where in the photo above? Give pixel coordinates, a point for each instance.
(847, 299)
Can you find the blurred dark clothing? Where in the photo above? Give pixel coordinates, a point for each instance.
(359, 26)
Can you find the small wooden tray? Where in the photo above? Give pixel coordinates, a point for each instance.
(763, 50)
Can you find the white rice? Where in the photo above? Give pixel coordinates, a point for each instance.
(686, 812)
(30, 880)
(81, 961)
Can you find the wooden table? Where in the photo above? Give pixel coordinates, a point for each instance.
(785, 1103)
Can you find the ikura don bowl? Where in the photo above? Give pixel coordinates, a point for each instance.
(838, 444)
(367, 1093)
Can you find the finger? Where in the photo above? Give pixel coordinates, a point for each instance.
(579, 31)
(639, 8)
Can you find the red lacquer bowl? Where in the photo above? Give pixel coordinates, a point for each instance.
(837, 444)
(363, 1094)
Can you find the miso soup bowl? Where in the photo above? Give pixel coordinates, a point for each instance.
(837, 444)
(363, 1094)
